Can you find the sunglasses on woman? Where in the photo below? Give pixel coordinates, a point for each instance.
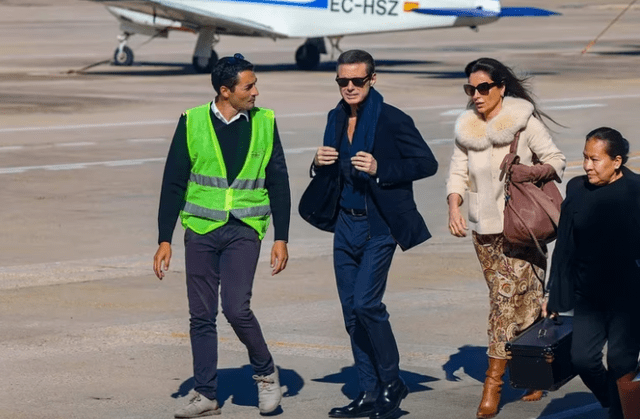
(357, 81)
(482, 88)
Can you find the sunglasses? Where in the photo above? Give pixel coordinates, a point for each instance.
(482, 88)
(357, 81)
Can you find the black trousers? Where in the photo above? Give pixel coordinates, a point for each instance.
(222, 262)
(593, 325)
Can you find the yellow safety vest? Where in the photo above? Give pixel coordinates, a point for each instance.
(209, 198)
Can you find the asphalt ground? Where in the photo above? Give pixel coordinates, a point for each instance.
(87, 331)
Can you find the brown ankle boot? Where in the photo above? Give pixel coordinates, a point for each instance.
(532, 395)
(492, 386)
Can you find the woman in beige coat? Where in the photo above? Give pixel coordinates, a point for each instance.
(500, 106)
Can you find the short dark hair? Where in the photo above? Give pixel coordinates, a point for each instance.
(226, 71)
(615, 143)
(357, 56)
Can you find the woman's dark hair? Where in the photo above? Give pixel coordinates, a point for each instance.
(227, 70)
(357, 56)
(615, 143)
(504, 76)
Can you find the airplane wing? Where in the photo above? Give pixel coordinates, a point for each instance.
(504, 12)
(194, 17)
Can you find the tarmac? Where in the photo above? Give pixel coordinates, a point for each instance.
(87, 331)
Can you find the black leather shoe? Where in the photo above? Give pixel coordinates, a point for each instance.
(361, 407)
(388, 402)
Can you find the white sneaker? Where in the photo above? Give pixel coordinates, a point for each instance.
(269, 392)
(198, 407)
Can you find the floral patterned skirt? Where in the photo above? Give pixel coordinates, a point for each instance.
(515, 277)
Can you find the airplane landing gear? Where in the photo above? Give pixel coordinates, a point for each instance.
(204, 57)
(308, 55)
(335, 45)
(123, 54)
(204, 64)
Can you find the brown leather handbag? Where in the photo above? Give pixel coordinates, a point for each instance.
(532, 210)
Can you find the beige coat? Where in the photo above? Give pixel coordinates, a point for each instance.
(481, 146)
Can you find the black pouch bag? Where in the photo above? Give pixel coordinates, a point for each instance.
(319, 203)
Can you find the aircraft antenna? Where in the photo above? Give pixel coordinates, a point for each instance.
(592, 43)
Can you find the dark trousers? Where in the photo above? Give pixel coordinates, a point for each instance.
(361, 266)
(593, 325)
(223, 261)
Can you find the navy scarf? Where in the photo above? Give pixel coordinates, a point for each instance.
(368, 115)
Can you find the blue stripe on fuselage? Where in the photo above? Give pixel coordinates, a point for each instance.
(315, 4)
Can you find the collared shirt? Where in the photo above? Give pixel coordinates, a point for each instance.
(221, 117)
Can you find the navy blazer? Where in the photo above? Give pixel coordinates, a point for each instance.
(402, 156)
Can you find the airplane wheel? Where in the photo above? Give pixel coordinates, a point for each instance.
(201, 65)
(123, 57)
(307, 57)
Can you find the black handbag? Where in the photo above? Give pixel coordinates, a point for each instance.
(540, 357)
(319, 202)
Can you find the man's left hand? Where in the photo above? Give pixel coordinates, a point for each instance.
(365, 162)
(279, 257)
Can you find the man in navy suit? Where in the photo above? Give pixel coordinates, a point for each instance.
(374, 152)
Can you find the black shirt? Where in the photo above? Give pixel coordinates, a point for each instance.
(234, 140)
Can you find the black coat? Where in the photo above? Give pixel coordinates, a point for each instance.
(402, 156)
(563, 277)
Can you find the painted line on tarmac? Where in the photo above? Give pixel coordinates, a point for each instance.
(73, 166)
(293, 115)
(573, 412)
(112, 163)
(76, 144)
(87, 126)
(576, 106)
(11, 148)
(147, 140)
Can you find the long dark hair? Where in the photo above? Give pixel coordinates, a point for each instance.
(504, 76)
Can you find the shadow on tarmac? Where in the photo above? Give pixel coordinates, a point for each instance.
(474, 363)
(349, 377)
(633, 50)
(574, 401)
(237, 384)
(144, 68)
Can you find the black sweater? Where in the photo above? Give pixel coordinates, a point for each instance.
(234, 141)
(597, 255)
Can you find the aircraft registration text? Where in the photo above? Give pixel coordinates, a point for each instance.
(370, 7)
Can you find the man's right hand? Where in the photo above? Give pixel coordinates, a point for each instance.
(161, 259)
(325, 156)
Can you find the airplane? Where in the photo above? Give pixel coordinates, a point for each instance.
(314, 20)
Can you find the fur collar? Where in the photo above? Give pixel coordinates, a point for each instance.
(473, 133)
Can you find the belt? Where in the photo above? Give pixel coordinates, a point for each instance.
(355, 212)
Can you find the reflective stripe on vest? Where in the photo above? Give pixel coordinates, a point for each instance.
(209, 198)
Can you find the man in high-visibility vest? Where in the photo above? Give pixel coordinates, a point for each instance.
(225, 176)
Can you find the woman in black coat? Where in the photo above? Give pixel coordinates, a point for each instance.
(596, 266)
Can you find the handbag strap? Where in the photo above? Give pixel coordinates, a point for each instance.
(509, 160)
